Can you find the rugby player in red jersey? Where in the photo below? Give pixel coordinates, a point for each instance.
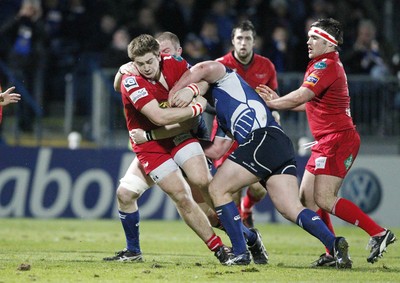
(324, 95)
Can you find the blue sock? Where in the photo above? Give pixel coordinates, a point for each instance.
(230, 218)
(130, 222)
(250, 236)
(312, 223)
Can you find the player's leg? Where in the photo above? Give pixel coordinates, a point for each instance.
(325, 195)
(283, 191)
(229, 179)
(307, 199)
(170, 179)
(131, 187)
(193, 162)
(254, 194)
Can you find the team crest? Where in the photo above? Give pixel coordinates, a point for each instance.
(312, 80)
(130, 83)
(138, 94)
(320, 65)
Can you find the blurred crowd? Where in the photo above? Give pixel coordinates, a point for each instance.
(43, 40)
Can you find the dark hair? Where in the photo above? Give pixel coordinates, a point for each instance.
(331, 26)
(244, 26)
(141, 45)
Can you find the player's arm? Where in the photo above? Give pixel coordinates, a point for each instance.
(184, 96)
(168, 116)
(294, 100)
(9, 96)
(140, 136)
(209, 71)
(217, 148)
(126, 69)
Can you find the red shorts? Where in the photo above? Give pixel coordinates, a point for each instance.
(161, 151)
(334, 154)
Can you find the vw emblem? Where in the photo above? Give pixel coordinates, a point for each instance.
(362, 187)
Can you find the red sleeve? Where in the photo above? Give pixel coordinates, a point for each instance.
(318, 80)
(134, 89)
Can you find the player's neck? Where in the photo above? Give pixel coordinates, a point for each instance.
(243, 60)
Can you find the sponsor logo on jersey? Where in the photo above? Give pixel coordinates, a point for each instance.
(348, 162)
(177, 58)
(260, 76)
(130, 83)
(312, 80)
(136, 95)
(320, 65)
(320, 162)
(164, 104)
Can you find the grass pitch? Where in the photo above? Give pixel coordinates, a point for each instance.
(63, 250)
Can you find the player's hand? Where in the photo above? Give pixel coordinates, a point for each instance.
(128, 69)
(9, 96)
(266, 93)
(138, 136)
(181, 98)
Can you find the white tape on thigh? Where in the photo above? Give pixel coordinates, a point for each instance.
(163, 170)
(134, 183)
(187, 152)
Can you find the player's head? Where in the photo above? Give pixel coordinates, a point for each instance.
(325, 35)
(144, 51)
(243, 39)
(169, 43)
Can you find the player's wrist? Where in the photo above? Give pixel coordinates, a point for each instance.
(195, 89)
(197, 109)
(148, 135)
(1, 97)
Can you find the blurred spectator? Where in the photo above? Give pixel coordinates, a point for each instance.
(8, 10)
(26, 35)
(194, 50)
(116, 55)
(210, 38)
(102, 35)
(145, 23)
(182, 16)
(223, 15)
(279, 50)
(365, 57)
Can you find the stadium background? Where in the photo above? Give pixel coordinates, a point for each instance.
(77, 46)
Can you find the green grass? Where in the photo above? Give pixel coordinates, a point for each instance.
(63, 250)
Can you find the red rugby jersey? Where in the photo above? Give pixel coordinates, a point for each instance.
(137, 91)
(329, 111)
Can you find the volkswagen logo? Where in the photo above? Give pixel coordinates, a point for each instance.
(362, 187)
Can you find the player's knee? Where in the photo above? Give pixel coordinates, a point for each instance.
(131, 188)
(214, 191)
(184, 202)
(201, 182)
(322, 202)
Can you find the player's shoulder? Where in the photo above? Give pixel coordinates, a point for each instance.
(172, 59)
(226, 58)
(130, 83)
(328, 61)
(262, 59)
